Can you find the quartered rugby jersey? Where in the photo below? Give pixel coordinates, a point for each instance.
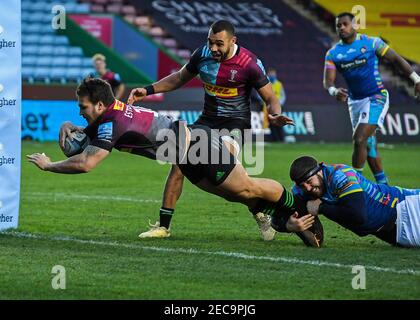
(228, 84)
(358, 63)
(381, 200)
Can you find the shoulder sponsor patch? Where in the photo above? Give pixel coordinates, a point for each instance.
(105, 131)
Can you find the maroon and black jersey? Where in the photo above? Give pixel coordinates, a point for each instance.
(228, 84)
(129, 128)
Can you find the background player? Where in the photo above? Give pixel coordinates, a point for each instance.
(228, 72)
(343, 195)
(114, 79)
(356, 56)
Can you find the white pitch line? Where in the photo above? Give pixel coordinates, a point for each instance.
(85, 197)
(237, 255)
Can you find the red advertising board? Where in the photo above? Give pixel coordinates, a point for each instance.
(99, 27)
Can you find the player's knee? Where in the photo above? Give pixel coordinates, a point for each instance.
(359, 141)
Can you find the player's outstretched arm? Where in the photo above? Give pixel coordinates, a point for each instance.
(80, 163)
(169, 83)
(405, 67)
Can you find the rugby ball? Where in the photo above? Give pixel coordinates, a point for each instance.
(75, 143)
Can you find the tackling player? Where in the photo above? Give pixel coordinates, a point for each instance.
(343, 195)
(228, 72)
(356, 57)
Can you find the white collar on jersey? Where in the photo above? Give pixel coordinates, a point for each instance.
(235, 48)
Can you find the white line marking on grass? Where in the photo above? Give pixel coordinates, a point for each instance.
(59, 196)
(237, 255)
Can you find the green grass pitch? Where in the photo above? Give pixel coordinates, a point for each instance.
(89, 224)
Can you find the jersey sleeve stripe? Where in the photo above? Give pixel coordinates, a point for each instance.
(247, 61)
(384, 50)
(241, 59)
(350, 192)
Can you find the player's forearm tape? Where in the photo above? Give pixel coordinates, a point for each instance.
(332, 91)
(149, 90)
(415, 77)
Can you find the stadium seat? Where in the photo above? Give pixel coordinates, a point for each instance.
(28, 73)
(127, 9)
(38, 6)
(82, 8)
(45, 50)
(58, 74)
(25, 16)
(44, 61)
(61, 40)
(97, 8)
(42, 74)
(60, 61)
(30, 39)
(61, 50)
(46, 28)
(36, 17)
(29, 60)
(32, 28)
(142, 21)
(87, 62)
(29, 50)
(73, 74)
(114, 8)
(74, 51)
(47, 39)
(74, 62)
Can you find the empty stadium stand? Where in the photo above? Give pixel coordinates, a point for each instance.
(46, 56)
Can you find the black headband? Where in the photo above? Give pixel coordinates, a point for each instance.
(308, 174)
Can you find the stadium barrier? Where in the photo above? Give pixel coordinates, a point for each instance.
(41, 121)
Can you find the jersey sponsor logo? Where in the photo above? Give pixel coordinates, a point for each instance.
(351, 50)
(119, 105)
(363, 49)
(220, 91)
(105, 131)
(354, 64)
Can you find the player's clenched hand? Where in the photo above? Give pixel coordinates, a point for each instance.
(136, 95)
(313, 206)
(67, 129)
(40, 160)
(342, 94)
(280, 120)
(295, 224)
